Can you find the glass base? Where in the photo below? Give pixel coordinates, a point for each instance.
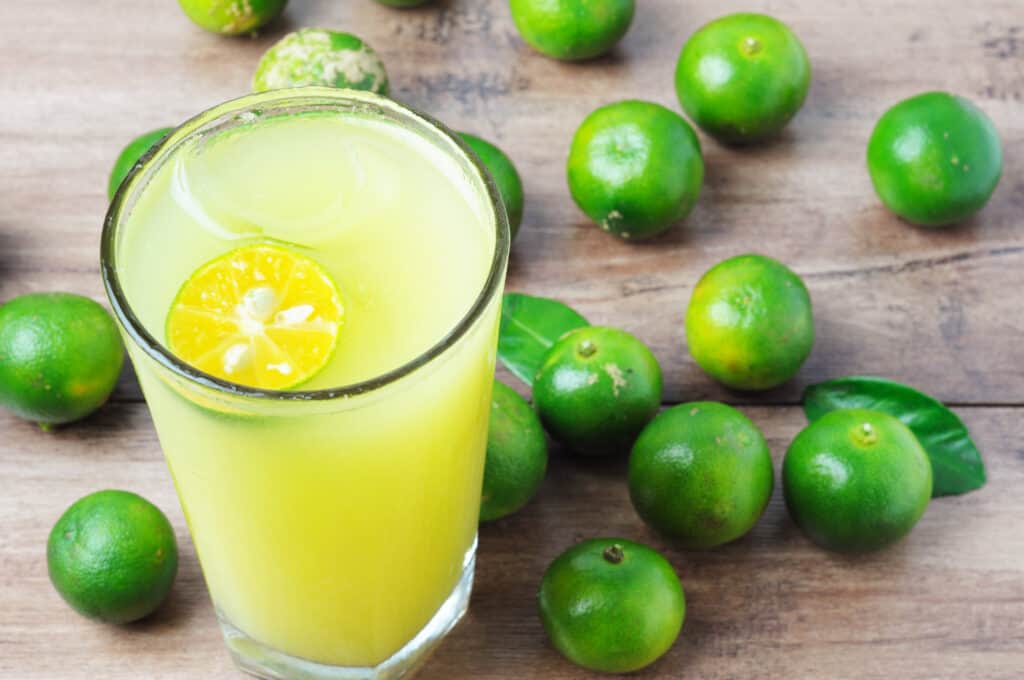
(256, 658)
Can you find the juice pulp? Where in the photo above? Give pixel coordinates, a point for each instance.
(328, 530)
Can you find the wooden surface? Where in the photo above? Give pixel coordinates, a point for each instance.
(942, 310)
(946, 603)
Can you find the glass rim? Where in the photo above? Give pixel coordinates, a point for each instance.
(156, 350)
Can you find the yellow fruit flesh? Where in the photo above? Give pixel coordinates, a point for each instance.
(260, 316)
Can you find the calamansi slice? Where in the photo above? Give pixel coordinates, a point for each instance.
(262, 316)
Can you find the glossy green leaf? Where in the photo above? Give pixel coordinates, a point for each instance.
(956, 463)
(529, 327)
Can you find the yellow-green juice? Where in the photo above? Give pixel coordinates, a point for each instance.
(331, 524)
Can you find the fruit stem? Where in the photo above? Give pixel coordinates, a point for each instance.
(614, 554)
(586, 349)
(751, 45)
(46, 427)
(866, 434)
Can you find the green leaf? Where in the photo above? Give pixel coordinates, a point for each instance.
(529, 327)
(956, 463)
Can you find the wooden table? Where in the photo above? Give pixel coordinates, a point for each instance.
(941, 310)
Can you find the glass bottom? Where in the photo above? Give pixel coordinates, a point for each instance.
(258, 659)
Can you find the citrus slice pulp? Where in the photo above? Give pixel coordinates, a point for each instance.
(261, 316)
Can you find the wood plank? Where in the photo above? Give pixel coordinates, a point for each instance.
(939, 310)
(948, 602)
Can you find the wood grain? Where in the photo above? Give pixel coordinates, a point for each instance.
(941, 310)
(948, 602)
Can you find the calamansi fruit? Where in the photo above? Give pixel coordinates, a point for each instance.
(232, 17)
(701, 473)
(742, 77)
(112, 556)
(611, 605)
(60, 357)
(935, 159)
(317, 56)
(596, 390)
(856, 480)
(572, 30)
(130, 155)
(750, 323)
(263, 316)
(635, 168)
(517, 455)
(505, 176)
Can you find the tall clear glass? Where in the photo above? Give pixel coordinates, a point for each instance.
(336, 527)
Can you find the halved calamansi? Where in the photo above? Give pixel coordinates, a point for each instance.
(261, 316)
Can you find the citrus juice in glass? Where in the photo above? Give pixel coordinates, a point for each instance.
(310, 283)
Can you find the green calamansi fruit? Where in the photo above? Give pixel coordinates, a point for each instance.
(316, 56)
(741, 78)
(130, 155)
(611, 605)
(60, 357)
(232, 17)
(597, 388)
(856, 480)
(572, 30)
(701, 473)
(635, 168)
(505, 176)
(112, 556)
(935, 159)
(517, 455)
(750, 324)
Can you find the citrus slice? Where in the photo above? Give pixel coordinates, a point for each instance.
(261, 316)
